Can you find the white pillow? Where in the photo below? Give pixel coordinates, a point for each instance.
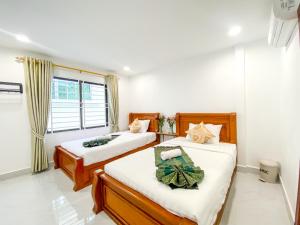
(191, 126)
(144, 126)
(214, 129)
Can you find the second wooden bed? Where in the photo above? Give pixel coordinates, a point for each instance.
(73, 165)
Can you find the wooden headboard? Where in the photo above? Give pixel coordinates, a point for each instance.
(228, 121)
(153, 117)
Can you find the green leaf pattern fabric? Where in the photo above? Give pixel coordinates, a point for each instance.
(98, 141)
(178, 172)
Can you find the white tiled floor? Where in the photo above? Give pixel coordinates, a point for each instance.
(48, 199)
(252, 202)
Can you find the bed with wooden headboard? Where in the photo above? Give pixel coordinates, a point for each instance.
(128, 206)
(73, 165)
(228, 121)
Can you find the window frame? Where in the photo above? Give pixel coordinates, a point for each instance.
(80, 82)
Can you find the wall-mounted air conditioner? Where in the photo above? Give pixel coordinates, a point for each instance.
(284, 21)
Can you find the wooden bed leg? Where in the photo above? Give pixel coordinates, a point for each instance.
(97, 191)
(55, 158)
(76, 187)
(78, 176)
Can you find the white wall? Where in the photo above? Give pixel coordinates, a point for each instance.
(14, 124)
(242, 80)
(15, 130)
(263, 70)
(124, 103)
(210, 83)
(197, 84)
(290, 120)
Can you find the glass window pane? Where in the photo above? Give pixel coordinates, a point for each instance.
(94, 113)
(65, 105)
(65, 111)
(86, 91)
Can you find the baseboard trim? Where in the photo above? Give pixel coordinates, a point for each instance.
(15, 173)
(247, 169)
(287, 201)
(18, 173)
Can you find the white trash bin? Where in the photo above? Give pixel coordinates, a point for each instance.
(268, 171)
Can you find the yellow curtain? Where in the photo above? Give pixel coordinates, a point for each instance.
(38, 76)
(113, 102)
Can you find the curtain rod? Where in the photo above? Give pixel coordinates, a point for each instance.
(22, 59)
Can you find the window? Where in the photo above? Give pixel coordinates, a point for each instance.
(76, 105)
(94, 105)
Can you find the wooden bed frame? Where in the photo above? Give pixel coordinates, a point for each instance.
(82, 176)
(127, 206)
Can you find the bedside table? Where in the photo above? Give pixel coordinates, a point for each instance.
(163, 134)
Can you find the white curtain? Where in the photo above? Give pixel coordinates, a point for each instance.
(113, 101)
(38, 76)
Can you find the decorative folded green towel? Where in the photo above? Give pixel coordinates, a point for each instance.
(178, 172)
(98, 141)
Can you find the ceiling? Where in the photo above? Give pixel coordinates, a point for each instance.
(142, 34)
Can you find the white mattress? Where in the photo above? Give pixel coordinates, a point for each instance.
(125, 142)
(218, 162)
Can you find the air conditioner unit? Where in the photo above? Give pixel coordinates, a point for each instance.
(284, 20)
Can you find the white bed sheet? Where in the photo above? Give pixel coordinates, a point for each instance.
(125, 142)
(218, 162)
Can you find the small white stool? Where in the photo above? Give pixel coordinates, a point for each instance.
(268, 171)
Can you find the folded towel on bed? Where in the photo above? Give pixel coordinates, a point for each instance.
(170, 154)
(177, 172)
(99, 141)
(184, 158)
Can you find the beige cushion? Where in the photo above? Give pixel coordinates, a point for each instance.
(135, 126)
(200, 134)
